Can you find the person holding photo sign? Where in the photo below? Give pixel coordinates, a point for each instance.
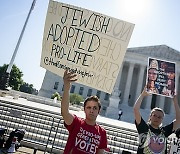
(85, 135)
(152, 135)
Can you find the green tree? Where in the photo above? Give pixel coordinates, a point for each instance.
(76, 99)
(15, 79)
(28, 88)
(56, 94)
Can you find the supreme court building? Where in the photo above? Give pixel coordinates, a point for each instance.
(129, 84)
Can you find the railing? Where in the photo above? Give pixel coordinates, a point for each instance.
(40, 126)
(45, 130)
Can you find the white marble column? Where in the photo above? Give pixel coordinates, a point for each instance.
(148, 102)
(128, 83)
(112, 110)
(161, 102)
(119, 77)
(172, 109)
(117, 84)
(140, 81)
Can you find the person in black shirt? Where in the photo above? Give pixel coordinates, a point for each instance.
(152, 136)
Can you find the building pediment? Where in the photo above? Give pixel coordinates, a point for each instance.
(159, 51)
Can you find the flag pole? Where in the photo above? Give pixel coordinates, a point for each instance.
(5, 78)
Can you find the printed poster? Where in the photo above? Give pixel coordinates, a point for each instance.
(88, 43)
(161, 77)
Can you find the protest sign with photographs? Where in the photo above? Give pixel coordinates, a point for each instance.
(161, 77)
(88, 43)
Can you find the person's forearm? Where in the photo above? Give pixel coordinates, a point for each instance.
(137, 106)
(65, 101)
(138, 102)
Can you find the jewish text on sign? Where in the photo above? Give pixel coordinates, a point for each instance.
(90, 44)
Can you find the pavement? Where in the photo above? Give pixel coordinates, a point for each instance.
(22, 150)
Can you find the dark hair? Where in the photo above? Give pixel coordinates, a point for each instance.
(170, 69)
(92, 98)
(178, 133)
(149, 84)
(171, 87)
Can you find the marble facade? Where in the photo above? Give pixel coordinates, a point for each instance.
(129, 84)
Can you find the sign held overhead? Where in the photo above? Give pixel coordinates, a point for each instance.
(85, 42)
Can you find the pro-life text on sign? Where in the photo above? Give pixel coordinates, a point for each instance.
(90, 44)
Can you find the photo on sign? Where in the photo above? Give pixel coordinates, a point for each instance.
(161, 77)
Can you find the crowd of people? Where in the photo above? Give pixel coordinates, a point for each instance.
(86, 136)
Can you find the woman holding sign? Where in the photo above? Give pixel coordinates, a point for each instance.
(152, 135)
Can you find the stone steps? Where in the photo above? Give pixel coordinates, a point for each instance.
(37, 123)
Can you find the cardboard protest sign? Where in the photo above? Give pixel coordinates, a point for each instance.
(90, 44)
(161, 77)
